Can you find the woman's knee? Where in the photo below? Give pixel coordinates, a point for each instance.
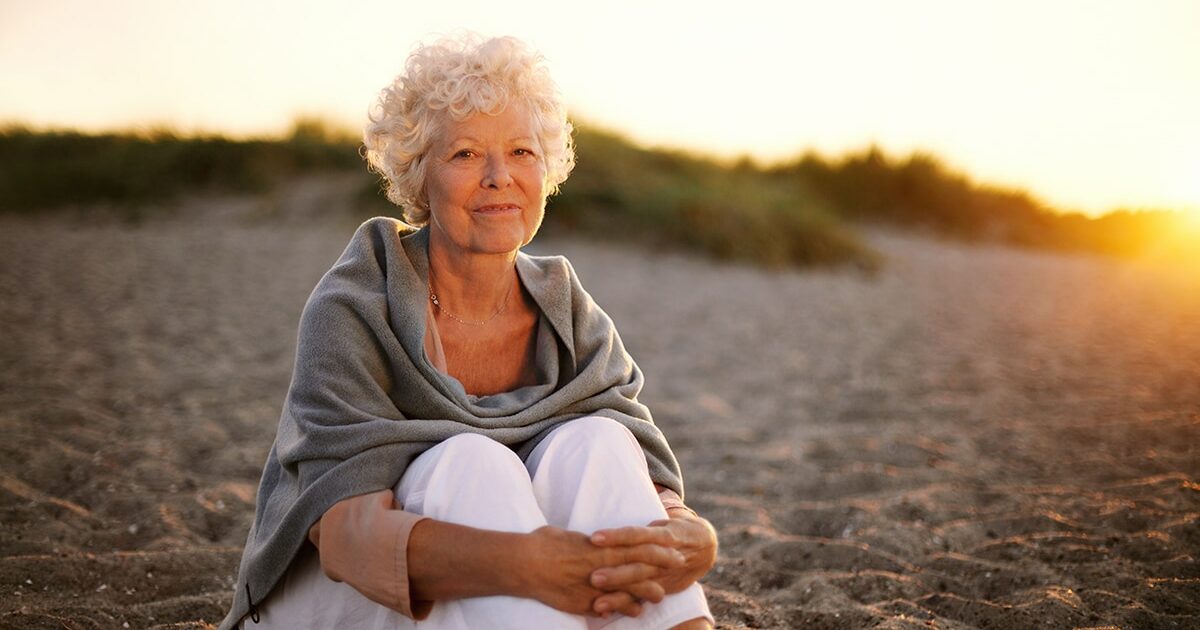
(588, 442)
(593, 430)
(474, 444)
(590, 474)
(472, 480)
(467, 459)
(473, 455)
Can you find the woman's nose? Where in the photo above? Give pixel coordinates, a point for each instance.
(496, 174)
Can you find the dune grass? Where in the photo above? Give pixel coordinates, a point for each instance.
(800, 213)
(920, 191)
(49, 169)
(677, 199)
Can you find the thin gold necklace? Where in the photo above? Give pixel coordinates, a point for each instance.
(434, 298)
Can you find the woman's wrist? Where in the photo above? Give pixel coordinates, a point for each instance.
(519, 581)
(681, 511)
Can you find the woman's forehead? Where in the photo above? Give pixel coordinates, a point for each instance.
(513, 123)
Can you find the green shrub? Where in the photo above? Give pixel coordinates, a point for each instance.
(921, 192)
(41, 170)
(733, 212)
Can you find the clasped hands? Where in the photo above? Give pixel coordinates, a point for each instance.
(690, 545)
(617, 570)
(613, 570)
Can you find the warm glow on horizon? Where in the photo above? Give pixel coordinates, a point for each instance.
(1187, 187)
(1181, 248)
(1088, 106)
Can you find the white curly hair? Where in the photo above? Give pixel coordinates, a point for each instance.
(459, 76)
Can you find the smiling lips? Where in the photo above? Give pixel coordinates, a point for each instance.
(498, 209)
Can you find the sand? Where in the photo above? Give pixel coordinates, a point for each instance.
(976, 437)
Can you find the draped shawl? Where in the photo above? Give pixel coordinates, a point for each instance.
(365, 401)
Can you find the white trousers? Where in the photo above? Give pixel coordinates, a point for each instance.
(588, 474)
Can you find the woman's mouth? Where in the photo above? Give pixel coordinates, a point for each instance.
(498, 209)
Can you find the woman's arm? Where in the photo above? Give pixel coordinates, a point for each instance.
(359, 539)
(550, 564)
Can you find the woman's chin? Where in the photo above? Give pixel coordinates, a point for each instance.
(500, 244)
(500, 239)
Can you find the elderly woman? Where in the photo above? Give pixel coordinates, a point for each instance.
(462, 445)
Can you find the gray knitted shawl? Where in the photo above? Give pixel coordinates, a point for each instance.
(364, 399)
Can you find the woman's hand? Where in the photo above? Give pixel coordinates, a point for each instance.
(560, 569)
(691, 535)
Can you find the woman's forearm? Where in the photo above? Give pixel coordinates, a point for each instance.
(367, 543)
(551, 565)
(449, 561)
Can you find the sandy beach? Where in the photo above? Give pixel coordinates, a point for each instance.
(975, 437)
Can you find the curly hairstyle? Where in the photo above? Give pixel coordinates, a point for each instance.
(457, 77)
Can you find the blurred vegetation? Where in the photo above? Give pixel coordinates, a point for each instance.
(920, 192)
(47, 169)
(803, 212)
(676, 199)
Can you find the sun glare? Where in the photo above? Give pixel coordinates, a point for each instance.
(1189, 224)
(1181, 246)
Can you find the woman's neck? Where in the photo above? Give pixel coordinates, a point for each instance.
(474, 287)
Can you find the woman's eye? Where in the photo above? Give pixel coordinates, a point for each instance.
(464, 153)
(523, 152)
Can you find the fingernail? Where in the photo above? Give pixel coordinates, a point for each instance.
(679, 556)
(598, 538)
(600, 580)
(602, 608)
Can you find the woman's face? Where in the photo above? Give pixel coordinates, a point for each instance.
(485, 183)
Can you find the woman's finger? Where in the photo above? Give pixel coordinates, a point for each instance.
(625, 536)
(657, 555)
(647, 591)
(617, 602)
(618, 577)
(629, 602)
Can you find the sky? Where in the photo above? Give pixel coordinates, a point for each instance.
(1090, 105)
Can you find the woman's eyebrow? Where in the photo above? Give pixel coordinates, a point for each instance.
(460, 141)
